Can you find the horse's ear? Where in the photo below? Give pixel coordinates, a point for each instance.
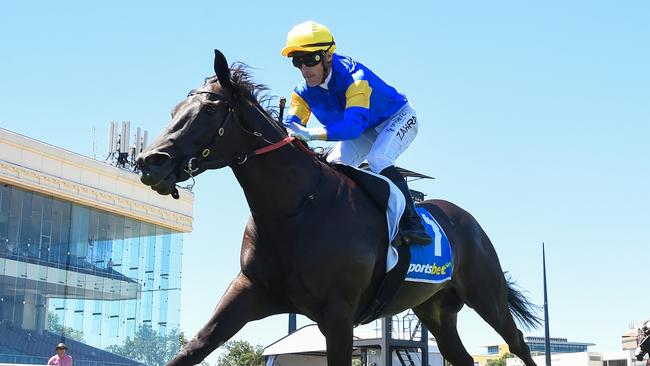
(221, 69)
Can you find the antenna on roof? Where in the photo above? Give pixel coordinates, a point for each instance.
(94, 152)
(121, 153)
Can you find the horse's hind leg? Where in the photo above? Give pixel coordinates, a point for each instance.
(486, 290)
(505, 325)
(439, 315)
(490, 301)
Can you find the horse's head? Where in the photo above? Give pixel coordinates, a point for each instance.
(205, 133)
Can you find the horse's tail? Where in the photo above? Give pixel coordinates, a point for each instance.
(524, 310)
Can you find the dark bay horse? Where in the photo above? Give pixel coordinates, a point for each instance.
(315, 243)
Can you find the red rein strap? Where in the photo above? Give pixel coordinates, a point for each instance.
(274, 146)
(279, 144)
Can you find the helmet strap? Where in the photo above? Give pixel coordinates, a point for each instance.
(326, 67)
(326, 70)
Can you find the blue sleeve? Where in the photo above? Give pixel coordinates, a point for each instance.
(288, 120)
(299, 110)
(354, 122)
(356, 116)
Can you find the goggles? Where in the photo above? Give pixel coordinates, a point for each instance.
(310, 59)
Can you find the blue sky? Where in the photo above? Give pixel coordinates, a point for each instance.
(534, 117)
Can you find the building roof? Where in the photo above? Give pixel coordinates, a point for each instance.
(36, 166)
(556, 341)
(309, 340)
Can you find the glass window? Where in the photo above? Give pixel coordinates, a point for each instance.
(92, 275)
(5, 204)
(15, 219)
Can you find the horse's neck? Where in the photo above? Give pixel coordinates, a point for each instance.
(277, 182)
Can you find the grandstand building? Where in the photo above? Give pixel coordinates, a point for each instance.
(88, 254)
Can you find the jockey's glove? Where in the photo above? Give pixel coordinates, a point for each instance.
(306, 134)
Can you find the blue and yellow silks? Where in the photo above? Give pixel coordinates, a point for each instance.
(355, 99)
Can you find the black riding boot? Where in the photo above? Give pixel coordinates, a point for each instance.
(411, 227)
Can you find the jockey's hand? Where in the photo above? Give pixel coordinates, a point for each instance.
(306, 134)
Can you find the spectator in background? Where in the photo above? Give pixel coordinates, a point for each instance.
(60, 358)
(643, 341)
(11, 247)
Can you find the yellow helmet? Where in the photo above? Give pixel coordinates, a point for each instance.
(309, 37)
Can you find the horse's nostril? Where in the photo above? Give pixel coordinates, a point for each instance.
(139, 161)
(155, 159)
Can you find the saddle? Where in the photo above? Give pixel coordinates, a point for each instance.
(379, 191)
(430, 263)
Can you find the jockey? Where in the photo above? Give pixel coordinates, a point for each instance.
(369, 118)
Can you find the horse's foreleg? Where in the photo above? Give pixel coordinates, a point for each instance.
(241, 303)
(336, 326)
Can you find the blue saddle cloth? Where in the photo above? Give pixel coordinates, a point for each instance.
(432, 262)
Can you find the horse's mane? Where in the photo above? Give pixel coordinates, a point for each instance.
(245, 87)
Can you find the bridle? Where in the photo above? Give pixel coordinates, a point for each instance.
(201, 161)
(193, 164)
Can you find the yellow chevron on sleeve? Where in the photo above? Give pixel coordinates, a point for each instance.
(299, 108)
(358, 94)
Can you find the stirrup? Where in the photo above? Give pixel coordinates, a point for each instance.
(410, 237)
(398, 241)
